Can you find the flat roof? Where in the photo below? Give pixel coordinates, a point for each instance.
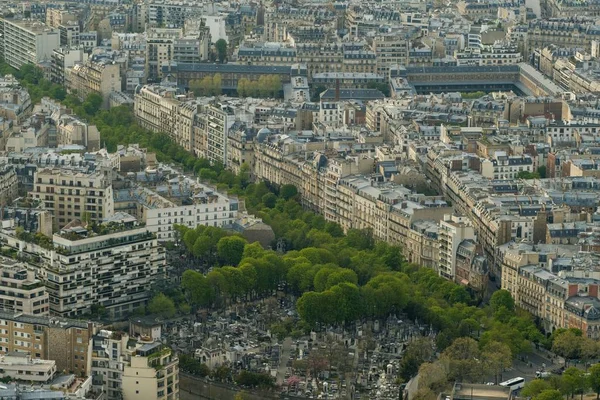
(228, 68)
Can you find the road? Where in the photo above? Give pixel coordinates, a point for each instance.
(283, 359)
(527, 368)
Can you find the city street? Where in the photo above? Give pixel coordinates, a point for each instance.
(527, 368)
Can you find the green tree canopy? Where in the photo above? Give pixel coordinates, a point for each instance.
(162, 305)
(221, 47)
(230, 249)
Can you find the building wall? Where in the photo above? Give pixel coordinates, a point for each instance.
(49, 338)
(93, 77)
(71, 196)
(27, 42)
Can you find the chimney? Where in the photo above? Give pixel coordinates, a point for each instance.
(337, 89)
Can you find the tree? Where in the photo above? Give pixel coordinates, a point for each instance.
(92, 104)
(550, 394)
(433, 376)
(269, 200)
(230, 249)
(528, 175)
(243, 87)
(288, 191)
(573, 381)
(588, 350)
(502, 298)
(221, 47)
(417, 352)
(496, 358)
(568, 345)
(535, 387)
(464, 360)
(210, 85)
(382, 87)
(594, 379)
(162, 305)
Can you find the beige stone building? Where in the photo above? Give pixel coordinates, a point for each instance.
(56, 17)
(240, 150)
(453, 230)
(152, 373)
(513, 260)
(72, 131)
(71, 195)
(65, 341)
(390, 50)
(99, 77)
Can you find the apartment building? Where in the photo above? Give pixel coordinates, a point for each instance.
(109, 357)
(497, 214)
(453, 231)
(71, 195)
(471, 266)
(152, 373)
(564, 9)
(8, 184)
(27, 41)
(390, 50)
(15, 100)
(63, 58)
(155, 108)
(65, 341)
(160, 50)
(22, 367)
(56, 17)
(184, 202)
(193, 47)
(88, 40)
(20, 290)
(157, 14)
(219, 118)
(504, 166)
(116, 352)
(240, 147)
(563, 32)
(497, 54)
(566, 301)
(69, 34)
(113, 266)
(184, 124)
(72, 131)
(93, 76)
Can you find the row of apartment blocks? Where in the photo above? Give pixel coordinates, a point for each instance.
(348, 186)
(558, 284)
